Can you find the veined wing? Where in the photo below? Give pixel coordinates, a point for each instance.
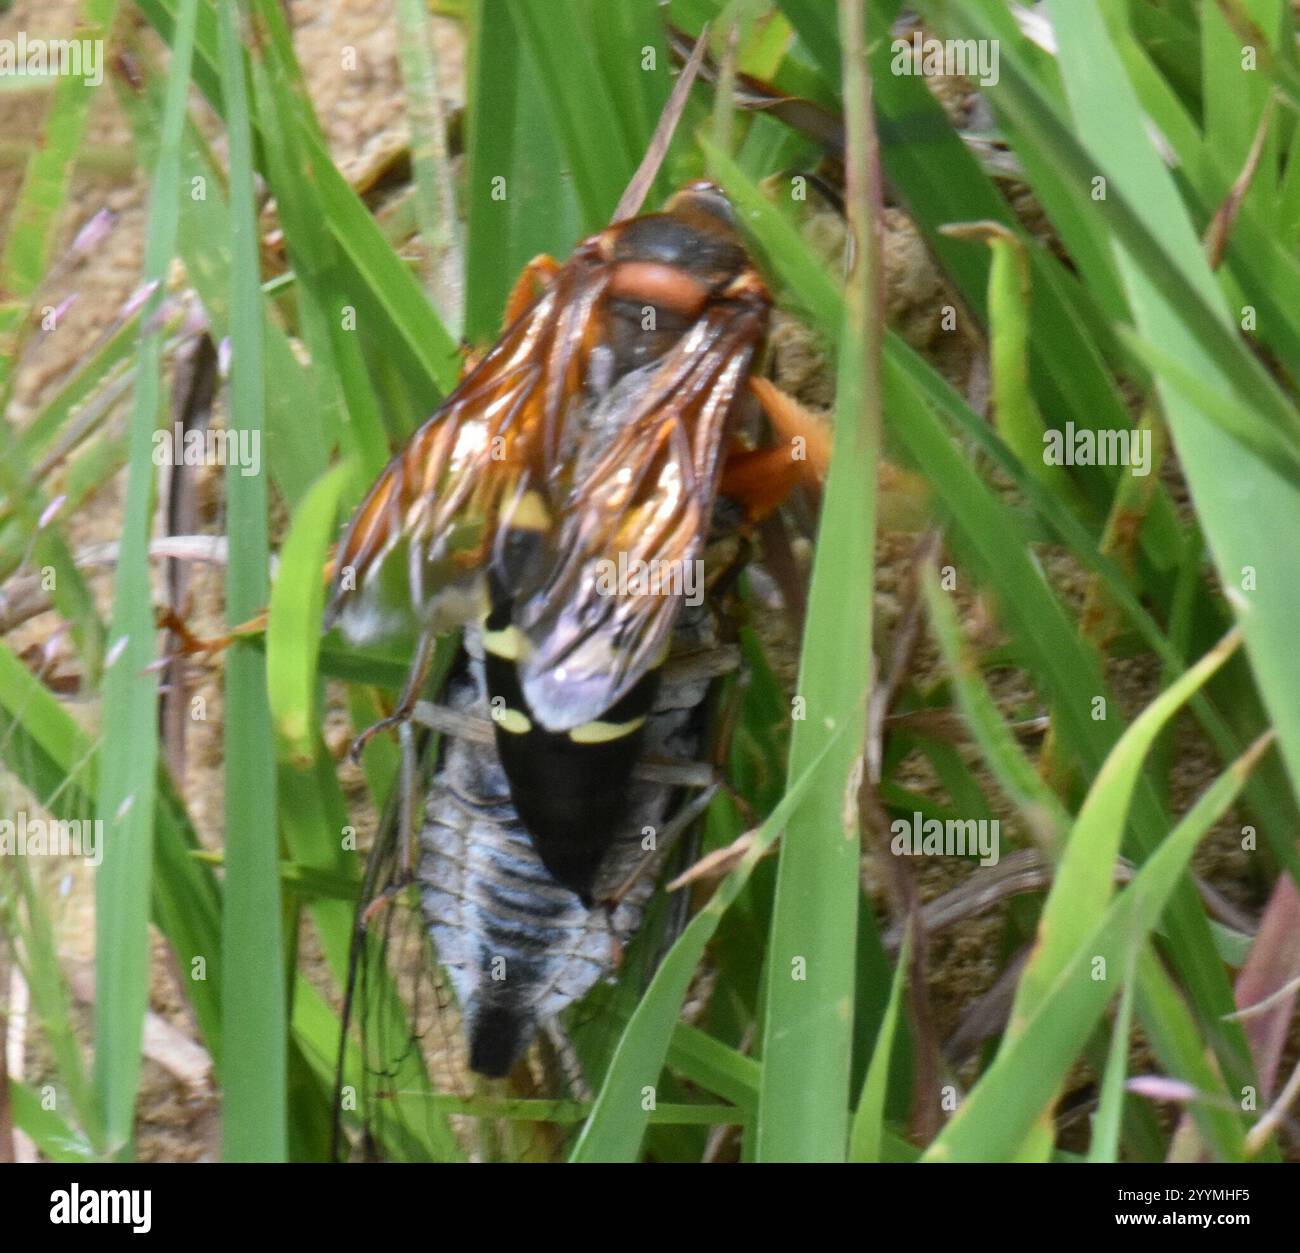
(416, 550)
(600, 609)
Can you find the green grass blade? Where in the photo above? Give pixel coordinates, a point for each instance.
(1018, 1086)
(573, 89)
(713, 1066)
(107, 364)
(390, 306)
(435, 201)
(1134, 219)
(56, 761)
(25, 919)
(635, 67)
(23, 267)
(1110, 1108)
(128, 771)
(1269, 605)
(815, 23)
(618, 1119)
(1179, 1041)
(518, 203)
(293, 623)
(867, 1131)
(254, 1082)
(1234, 97)
(1086, 872)
(295, 454)
(803, 1111)
(49, 1132)
(45, 188)
(1040, 807)
(329, 329)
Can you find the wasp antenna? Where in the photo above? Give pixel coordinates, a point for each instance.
(634, 195)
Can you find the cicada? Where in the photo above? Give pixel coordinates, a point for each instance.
(573, 509)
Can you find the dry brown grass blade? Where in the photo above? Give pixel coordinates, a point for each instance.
(634, 195)
(1219, 230)
(715, 865)
(1273, 966)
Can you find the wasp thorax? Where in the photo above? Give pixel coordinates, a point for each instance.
(668, 269)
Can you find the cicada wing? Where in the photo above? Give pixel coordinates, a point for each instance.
(414, 554)
(404, 1089)
(599, 610)
(397, 1017)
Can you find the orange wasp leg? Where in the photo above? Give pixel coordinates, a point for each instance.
(760, 479)
(190, 645)
(532, 278)
(807, 433)
(904, 496)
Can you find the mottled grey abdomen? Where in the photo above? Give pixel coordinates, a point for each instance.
(518, 947)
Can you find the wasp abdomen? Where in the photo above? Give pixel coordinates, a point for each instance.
(570, 788)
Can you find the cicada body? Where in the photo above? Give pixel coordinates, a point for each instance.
(519, 946)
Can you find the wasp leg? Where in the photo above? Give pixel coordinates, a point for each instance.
(760, 479)
(680, 822)
(189, 644)
(692, 774)
(698, 665)
(453, 722)
(904, 496)
(678, 675)
(381, 902)
(688, 668)
(682, 671)
(407, 701)
(407, 801)
(807, 433)
(534, 276)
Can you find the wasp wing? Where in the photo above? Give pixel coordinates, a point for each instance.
(600, 609)
(418, 544)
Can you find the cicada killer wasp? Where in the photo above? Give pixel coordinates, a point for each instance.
(573, 507)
